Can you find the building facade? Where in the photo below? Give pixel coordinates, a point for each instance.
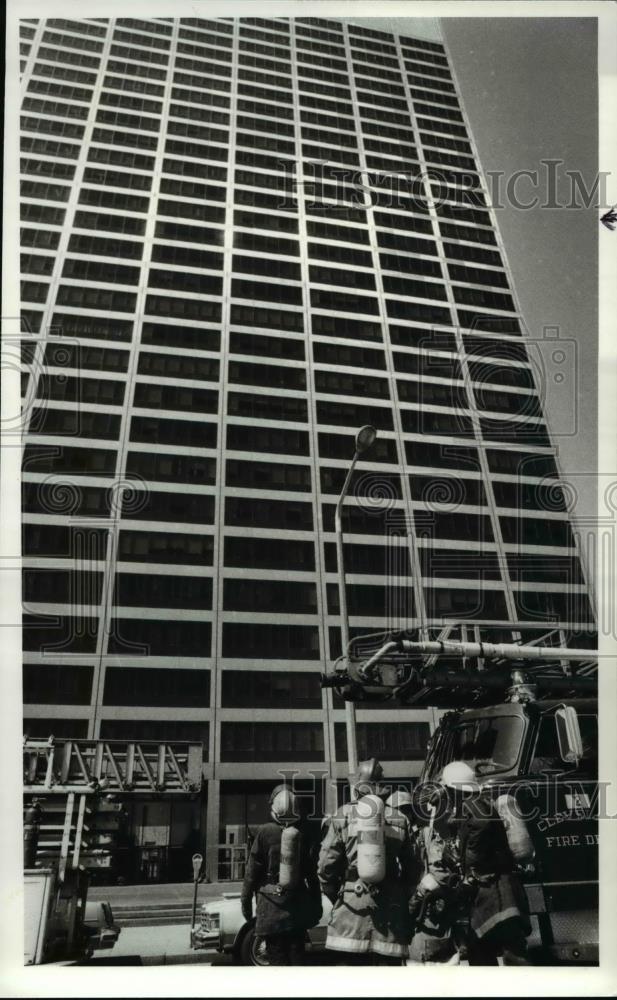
(241, 241)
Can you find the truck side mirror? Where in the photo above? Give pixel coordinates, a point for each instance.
(569, 734)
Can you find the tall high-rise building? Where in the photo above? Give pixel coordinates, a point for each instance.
(242, 240)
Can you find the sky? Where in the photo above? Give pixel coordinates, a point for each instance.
(529, 87)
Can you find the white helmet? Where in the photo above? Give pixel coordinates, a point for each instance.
(460, 776)
(284, 806)
(399, 800)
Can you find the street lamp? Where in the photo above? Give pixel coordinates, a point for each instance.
(364, 439)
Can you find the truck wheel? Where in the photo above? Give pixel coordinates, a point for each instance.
(251, 949)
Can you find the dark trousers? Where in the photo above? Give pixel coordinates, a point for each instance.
(508, 943)
(286, 948)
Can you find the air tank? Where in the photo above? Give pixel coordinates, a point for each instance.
(519, 841)
(371, 856)
(289, 867)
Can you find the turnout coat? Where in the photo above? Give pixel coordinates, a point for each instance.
(281, 910)
(368, 919)
(485, 856)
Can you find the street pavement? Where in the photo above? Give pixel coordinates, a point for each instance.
(164, 945)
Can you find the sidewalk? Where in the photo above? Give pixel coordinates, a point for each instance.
(163, 892)
(166, 945)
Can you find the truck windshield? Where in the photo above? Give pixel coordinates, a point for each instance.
(489, 745)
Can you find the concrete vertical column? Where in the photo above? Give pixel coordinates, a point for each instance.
(212, 830)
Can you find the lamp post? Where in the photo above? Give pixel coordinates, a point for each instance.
(364, 439)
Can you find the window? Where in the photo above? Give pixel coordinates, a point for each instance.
(88, 390)
(76, 461)
(514, 375)
(188, 234)
(344, 355)
(278, 741)
(436, 524)
(453, 490)
(466, 602)
(86, 270)
(545, 569)
(521, 463)
(186, 433)
(437, 562)
(76, 500)
(374, 560)
(154, 590)
(345, 326)
(170, 335)
(165, 547)
(269, 319)
(147, 637)
(171, 468)
(553, 606)
(353, 415)
(343, 302)
(275, 376)
(61, 587)
(348, 384)
(433, 422)
(413, 265)
(113, 137)
(271, 642)
(270, 596)
(435, 365)
(467, 233)
(242, 288)
(396, 741)
(159, 730)
(268, 476)
(115, 178)
(53, 684)
(362, 483)
(345, 234)
(433, 393)
(97, 221)
(253, 220)
(265, 244)
(260, 553)
(270, 689)
(75, 423)
(264, 346)
(178, 366)
(267, 407)
(62, 633)
(150, 505)
(42, 213)
(507, 402)
(252, 513)
(524, 531)
(488, 347)
(277, 440)
(176, 308)
(523, 431)
(99, 327)
(176, 688)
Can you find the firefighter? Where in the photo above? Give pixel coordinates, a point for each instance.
(366, 870)
(432, 907)
(496, 899)
(281, 873)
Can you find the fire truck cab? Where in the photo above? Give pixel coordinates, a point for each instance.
(524, 715)
(530, 751)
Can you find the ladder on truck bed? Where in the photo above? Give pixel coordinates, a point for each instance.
(79, 786)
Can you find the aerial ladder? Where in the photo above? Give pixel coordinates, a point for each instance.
(73, 810)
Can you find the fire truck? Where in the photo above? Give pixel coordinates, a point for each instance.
(74, 797)
(524, 715)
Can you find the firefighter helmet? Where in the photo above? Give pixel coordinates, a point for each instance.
(367, 777)
(400, 800)
(284, 805)
(460, 776)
